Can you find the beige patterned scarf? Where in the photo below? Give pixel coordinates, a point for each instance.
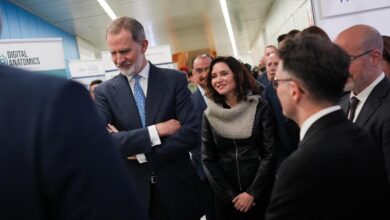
(236, 122)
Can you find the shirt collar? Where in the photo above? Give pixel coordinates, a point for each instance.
(201, 90)
(144, 73)
(313, 118)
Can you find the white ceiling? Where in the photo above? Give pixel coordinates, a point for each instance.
(184, 24)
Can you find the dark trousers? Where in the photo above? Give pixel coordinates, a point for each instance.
(157, 210)
(209, 200)
(225, 211)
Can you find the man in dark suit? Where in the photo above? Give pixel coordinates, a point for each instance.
(152, 111)
(57, 160)
(200, 68)
(337, 172)
(368, 85)
(288, 130)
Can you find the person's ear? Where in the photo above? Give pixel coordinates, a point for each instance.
(296, 91)
(144, 45)
(376, 57)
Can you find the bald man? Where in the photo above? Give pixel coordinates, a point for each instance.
(367, 84)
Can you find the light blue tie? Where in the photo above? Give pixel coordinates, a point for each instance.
(139, 97)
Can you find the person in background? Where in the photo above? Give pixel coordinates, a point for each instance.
(191, 82)
(386, 56)
(316, 31)
(200, 67)
(288, 130)
(262, 74)
(238, 142)
(92, 87)
(290, 35)
(368, 102)
(337, 172)
(149, 113)
(281, 38)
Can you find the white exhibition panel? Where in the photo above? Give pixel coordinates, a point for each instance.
(33, 54)
(159, 54)
(336, 15)
(86, 68)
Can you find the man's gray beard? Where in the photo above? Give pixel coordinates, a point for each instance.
(127, 72)
(132, 69)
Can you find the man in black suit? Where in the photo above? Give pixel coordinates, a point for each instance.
(57, 160)
(337, 172)
(368, 84)
(200, 68)
(150, 114)
(288, 130)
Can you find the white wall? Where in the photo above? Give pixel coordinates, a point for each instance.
(335, 16)
(284, 16)
(87, 51)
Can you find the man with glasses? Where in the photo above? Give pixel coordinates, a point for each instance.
(200, 68)
(337, 172)
(368, 103)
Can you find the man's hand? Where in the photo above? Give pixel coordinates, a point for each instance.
(167, 128)
(243, 202)
(111, 129)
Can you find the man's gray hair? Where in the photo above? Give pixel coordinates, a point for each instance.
(130, 24)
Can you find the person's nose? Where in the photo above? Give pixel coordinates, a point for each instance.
(218, 78)
(120, 58)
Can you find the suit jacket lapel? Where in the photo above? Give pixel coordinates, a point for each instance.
(201, 102)
(156, 88)
(373, 101)
(124, 98)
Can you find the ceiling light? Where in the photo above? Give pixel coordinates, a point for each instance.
(107, 9)
(225, 13)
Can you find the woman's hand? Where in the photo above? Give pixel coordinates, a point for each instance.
(243, 202)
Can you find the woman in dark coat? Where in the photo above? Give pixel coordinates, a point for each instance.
(238, 142)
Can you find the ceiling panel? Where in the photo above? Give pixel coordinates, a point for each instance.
(184, 24)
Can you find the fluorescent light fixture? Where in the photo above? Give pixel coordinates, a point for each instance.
(226, 16)
(107, 9)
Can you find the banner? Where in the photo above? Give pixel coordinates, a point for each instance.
(86, 68)
(336, 15)
(85, 71)
(43, 55)
(340, 7)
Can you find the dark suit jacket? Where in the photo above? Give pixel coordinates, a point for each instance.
(288, 130)
(375, 118)
(337, 172)
(199, 107)
(167, 98)
(57, 161)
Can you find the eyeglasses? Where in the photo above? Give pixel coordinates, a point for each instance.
(360, 55)
(275, 82)
(201, 70)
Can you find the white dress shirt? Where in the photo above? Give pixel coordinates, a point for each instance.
(153, 134)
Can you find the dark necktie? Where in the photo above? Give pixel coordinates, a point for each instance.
(352, 108)
(139, 97)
